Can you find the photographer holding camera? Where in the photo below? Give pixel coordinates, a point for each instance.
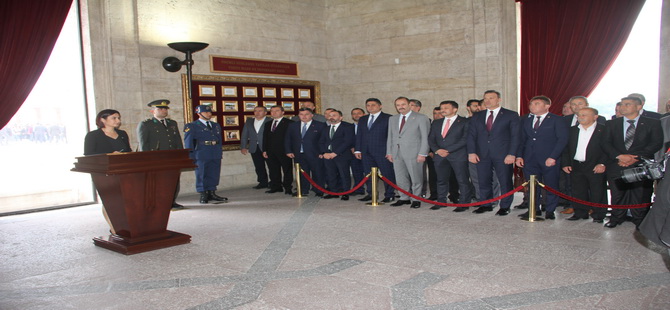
(627, 139)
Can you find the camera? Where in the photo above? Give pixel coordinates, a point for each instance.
(648, 169)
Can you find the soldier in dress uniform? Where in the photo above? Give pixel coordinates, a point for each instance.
(160, 133)
(203, 138)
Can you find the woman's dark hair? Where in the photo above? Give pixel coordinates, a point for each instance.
(104, 114)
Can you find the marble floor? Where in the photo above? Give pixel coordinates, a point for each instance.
(271, 251)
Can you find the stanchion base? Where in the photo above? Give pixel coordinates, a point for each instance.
(537, 219)
(374, 205)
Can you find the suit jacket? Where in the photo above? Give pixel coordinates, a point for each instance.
(648, 140)
(342, 142)
(665, 125)
(373, 140)
(251, 139)
(503, 139)
(548, 141)
(595, 154)
(651, 114)
(413, 139)
(273, 142)
(153, 136)
(309, 142)
(569, 118)
(455, 141)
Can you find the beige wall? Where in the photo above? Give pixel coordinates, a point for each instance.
(432, 50)
(664, 74)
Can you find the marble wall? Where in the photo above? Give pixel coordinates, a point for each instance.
(432, 50)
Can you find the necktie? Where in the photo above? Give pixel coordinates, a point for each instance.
(209, 125)
(630, 134)
(372, 120)
(304, 130)
(332, 133)
(402, 123)
(537, 123)
(274, 125)
(163, 122)
(446, 128)
(489, 122)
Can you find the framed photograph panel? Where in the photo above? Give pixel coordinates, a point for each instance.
(230, 106)
(228, 91)
(231, 135)
(288, 105)
(269, 104)
(250, 91)
(230, 121)
(211, 103)
(304, 93)
(269, 92)
(287, 93)
(207, 90)
(249, 106)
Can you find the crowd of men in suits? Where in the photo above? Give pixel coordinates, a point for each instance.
(467, 158)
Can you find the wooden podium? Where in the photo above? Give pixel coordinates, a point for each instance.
(137, 191)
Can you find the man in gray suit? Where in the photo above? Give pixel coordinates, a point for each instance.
(407, 148)
(252, 142)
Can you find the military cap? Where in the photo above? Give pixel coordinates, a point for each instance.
(203, 108)
(160, 103)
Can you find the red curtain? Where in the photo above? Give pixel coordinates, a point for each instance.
(567, 46)
(28, 31)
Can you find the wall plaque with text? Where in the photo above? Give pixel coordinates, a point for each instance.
(223, 64)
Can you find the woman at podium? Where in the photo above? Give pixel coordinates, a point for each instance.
(108, 138)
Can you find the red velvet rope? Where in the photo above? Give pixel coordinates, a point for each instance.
(593, 204)
(444, 204)
(304, 174)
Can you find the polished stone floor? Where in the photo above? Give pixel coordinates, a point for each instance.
(271, 251)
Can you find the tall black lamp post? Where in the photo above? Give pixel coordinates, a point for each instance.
(173, 64)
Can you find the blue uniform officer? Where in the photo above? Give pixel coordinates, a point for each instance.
(203, 138)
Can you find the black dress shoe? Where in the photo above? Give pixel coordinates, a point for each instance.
(294, 194)
(400, 203)
(215, 197)
(611, 224)
(366, 198)
(329, 196)
(576, 218)
(288, 191)
(274, 190)
(521, 206)
(525, 215)
(259, 186)
(460, 209)
(436, 207)
(415, 205)
(344, 197)
(597, 220)
(388, 199)
(503, 211)
(550, 216)
(176, 206)
(204, 197)
(481, 210)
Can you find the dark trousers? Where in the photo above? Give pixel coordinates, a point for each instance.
(207, 174)
(547, 175)
(385, 167)
(448, 170)
(590, 187)
(337, 174)
(313, 166)
(485, 168)
(627, 194)
(357, 173)
(259, 165)
(279, 163)
(432, 176)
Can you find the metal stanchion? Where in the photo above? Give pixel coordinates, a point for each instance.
(375, 196)
(297, 181)
(531, 201)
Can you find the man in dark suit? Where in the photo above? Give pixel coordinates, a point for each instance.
(357, 164)
(252, 142)
(273, 150)
(628, 138)
(335, 146)
(645, 113)
(584, 161)
(302, 145)
(371, 146)
(447, 139)
(543, 138)
(493, 142)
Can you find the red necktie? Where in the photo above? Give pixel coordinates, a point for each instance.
(402, 123)
(446, 128)
(489, 122)
(537, 123)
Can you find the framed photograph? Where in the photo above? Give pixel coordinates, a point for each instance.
(229, 91)
(304, 93)
(287, 93)
(230, 106)
(269, 92)
(269, 104)
(250, 105)
(230, 121)
(250, 91)
(207, 90)
(211, 103)
(231, 135)
(288, 105)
